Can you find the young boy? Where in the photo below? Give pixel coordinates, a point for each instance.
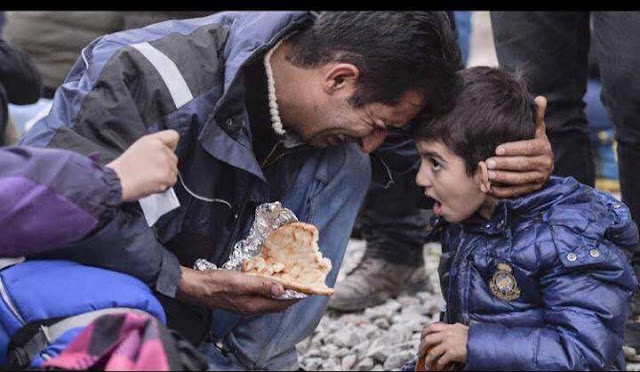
(538, 282)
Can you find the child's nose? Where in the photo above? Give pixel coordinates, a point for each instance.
(422, 178)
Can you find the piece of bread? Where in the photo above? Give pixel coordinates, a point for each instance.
(290, 255)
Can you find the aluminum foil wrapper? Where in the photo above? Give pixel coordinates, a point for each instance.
(269, 216)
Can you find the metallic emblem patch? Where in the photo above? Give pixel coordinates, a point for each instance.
(503, 284)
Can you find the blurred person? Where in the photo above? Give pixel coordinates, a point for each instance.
(601, 131)
(551, 48)
(270, 106)
(50, 198)
(537, 282)
(20, 83)
(54, 40)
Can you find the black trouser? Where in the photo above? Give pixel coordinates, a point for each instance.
(551, 48)
(391, 219)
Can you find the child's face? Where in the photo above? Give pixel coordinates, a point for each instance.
(442, 174)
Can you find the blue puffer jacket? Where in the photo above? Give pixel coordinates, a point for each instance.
(46, 289)
(544, 284)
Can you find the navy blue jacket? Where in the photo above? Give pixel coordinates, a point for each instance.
(571, 280)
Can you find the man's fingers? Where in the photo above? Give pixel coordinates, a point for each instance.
(536, 146)
(518, 178)
(169, 137)
(513, 191)
(519, 163)
(257, 285)
(541, 107)
(256, 305)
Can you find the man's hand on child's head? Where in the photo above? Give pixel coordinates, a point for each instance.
(446, 343)
(525, 166)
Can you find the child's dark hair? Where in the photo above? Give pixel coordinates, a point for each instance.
(493, 107)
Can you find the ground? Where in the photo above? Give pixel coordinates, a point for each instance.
(380, 338)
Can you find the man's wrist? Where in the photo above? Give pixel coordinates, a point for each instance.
(195, 286)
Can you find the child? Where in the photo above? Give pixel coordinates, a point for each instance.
(538, 282)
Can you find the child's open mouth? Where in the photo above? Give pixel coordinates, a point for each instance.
(437, 208)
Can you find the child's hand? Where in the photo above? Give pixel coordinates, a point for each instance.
(445, 342)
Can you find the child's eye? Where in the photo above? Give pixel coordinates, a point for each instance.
(435, 165)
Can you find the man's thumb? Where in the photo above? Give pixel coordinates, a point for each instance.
(169, 137)
(264, 287)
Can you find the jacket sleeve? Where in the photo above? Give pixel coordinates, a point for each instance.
(106, 103)
(585, 304)
(18, 74)
(50, 198)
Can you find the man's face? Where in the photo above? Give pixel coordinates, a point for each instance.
(334, 121)
(442, 174)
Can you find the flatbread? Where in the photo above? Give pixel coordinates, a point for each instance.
(291, 256)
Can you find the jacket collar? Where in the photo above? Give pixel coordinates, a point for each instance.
(536, 203)
(224, 135)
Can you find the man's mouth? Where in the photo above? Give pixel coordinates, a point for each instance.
(338, 139)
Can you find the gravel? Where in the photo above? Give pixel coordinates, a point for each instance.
(384, 337)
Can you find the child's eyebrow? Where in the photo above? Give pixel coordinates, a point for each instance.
(433, 155)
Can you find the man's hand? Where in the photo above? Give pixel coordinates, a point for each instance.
(231, 290)
(446, 343)
(526, 165)
(149, 166)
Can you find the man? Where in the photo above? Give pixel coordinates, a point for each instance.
(551, 49)
(268, 106)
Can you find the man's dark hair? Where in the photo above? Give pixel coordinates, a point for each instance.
(493, 107)
(394, 51)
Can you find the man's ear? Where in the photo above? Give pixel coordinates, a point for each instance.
(483, 177)
(340, 76)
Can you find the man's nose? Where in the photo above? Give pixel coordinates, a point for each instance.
(373, 140)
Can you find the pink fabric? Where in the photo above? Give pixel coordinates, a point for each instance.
(116, 342)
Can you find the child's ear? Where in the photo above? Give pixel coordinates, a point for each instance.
(483, 174)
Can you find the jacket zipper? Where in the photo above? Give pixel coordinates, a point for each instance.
(7, 300)
(453, 264)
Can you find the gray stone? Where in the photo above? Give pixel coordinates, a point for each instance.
(304, 345)
(361, 348)
(330, 365)
(633, 366)
(416, 326)
(365, 364)
(398, 333)
(382, 323)
(392, 306)
(348, 362)
(408, 300)
(312, 364)
(377, 367)
(630, 354)
(342, 352)
(376, 312)
(398, 360)
(318, 353)
(347, 338)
